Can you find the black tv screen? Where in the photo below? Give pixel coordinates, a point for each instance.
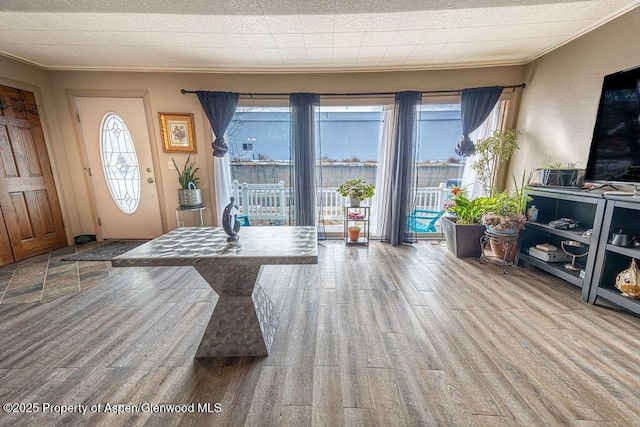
(615, 147)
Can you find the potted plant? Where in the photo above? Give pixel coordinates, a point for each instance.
(354, 233)
(357, 190)
(504, 216)
(490, 153)
(462, 227)
(555, 174)
(189, 195)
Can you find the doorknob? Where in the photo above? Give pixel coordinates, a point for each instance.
(150, 180)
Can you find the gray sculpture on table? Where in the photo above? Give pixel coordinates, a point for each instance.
(230, 222)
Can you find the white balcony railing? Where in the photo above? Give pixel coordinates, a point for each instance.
(271, 202)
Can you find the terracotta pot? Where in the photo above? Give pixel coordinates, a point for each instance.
(354, 234)
(498, 250)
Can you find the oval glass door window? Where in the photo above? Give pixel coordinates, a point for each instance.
(120, 163)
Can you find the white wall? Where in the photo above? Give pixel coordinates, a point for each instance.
(558, 108)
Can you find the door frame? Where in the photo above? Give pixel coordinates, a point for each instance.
(57, 164)
(153, 142)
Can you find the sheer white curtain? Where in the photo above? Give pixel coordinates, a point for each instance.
(222, 180)
(386, 148)
(470, 183)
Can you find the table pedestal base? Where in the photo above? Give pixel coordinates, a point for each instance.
(244, 321)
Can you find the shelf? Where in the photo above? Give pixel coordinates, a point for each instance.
(575, 234)
(362, 223)
(614, 296)
(603, 215)
(623, 250)
(361, 241)
(557, 269)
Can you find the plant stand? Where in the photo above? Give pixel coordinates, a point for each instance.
(198, 209)
(361, 217)
(507, 241)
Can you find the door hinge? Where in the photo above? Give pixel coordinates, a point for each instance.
(99, 222)
(88, 170)
(78, 117)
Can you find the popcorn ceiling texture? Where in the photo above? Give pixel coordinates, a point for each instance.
(259, 35)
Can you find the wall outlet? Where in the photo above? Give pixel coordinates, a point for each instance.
(171, 166)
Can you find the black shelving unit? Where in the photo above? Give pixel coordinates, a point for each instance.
(621, 212)
(554, 203)
(362, 222)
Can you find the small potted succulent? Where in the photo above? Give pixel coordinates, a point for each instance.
(357, 190)
(189, 195)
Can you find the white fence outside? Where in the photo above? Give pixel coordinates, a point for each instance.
(262, 201)
(272, 201)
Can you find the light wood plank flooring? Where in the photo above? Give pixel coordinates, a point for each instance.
(384, 336)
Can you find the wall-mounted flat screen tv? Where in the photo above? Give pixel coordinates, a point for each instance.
(615, 147)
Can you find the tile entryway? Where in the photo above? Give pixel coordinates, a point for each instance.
(45, 277)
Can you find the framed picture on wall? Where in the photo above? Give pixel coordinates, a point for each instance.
(178, 134)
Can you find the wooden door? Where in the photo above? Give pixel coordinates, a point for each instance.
(28, 197)
(130, 144)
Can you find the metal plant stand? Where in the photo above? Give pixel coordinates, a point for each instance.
(508, 242)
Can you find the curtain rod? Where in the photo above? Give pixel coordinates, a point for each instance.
(520, 86)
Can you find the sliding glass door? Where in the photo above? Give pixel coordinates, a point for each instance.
(348, 142)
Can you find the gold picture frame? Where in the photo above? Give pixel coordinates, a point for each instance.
(178, 133)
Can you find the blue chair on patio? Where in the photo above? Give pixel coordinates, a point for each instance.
(244, 220)
(424, 221)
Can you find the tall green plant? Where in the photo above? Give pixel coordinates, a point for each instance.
(188, 173)
(490, 153)
(507, 203)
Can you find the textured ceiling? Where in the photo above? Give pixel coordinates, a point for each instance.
(290, 35)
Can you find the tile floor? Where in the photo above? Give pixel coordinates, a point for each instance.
(46, 277)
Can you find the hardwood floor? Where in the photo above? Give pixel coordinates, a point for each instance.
(385, 336)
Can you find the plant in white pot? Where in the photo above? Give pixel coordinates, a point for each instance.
(189, 195)
(357, 190)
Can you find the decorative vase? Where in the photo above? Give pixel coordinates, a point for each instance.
(354, 234)
(463, 240)
(354, 201)
(499, 247)
(189, 198)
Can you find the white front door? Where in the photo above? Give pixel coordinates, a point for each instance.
(116, 138)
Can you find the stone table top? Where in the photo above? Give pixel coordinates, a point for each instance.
(208, 245)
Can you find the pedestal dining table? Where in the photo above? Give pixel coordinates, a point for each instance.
(244, 320)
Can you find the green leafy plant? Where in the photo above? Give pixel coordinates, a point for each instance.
(356, 188)
(490, 153)
(188, 174)
(505, 210)
(466, 211)
(558, 165)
